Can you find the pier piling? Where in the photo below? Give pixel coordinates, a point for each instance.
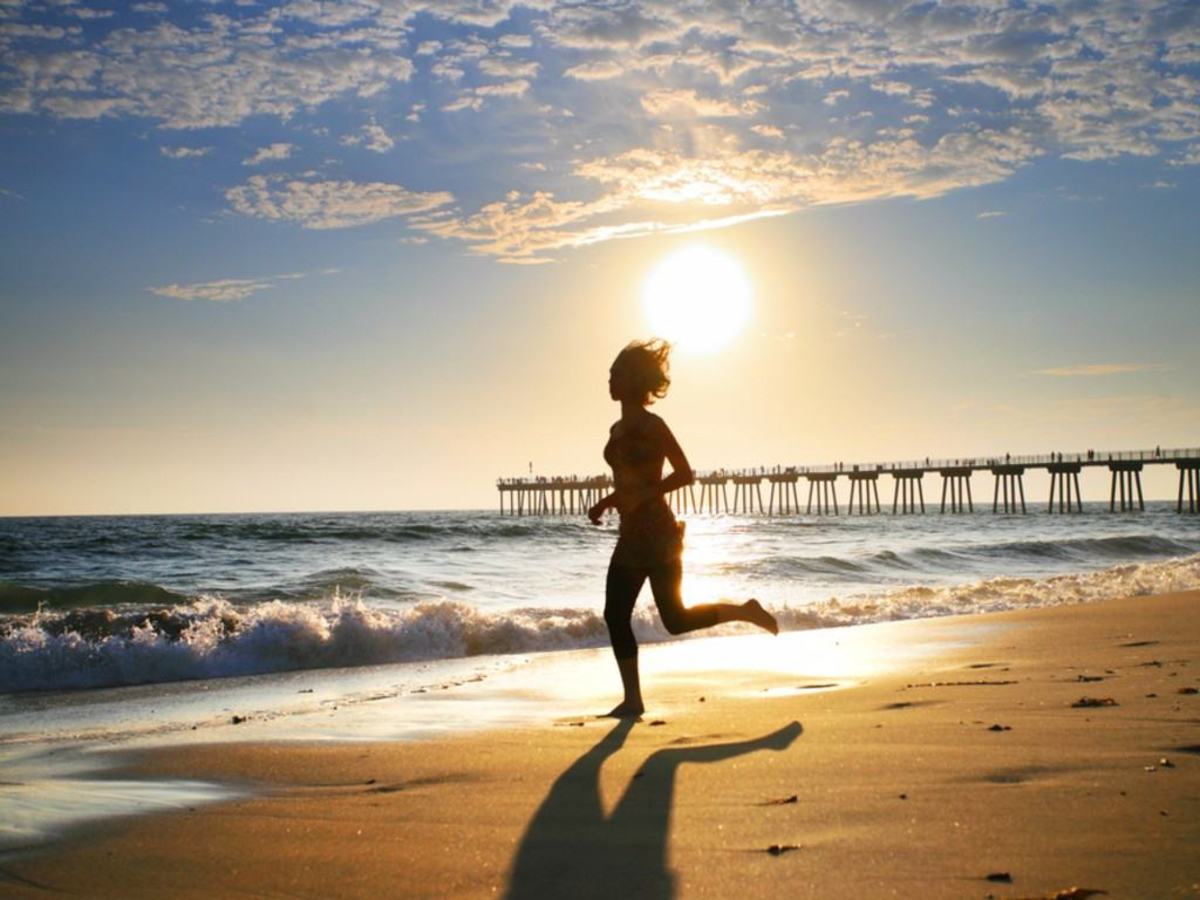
(1125, 477)
(826, 486)
(861, 484)
(903, 494)
(575, 495)
(958, 481)
(1064, 476)
(789, 496)
(1189, 471)
(1010, 480)
(745, 489)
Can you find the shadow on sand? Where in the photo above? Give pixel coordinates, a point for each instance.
(570, 848)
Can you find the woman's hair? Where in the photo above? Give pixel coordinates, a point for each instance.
(648, 362)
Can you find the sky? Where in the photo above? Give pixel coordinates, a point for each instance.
(373, 255)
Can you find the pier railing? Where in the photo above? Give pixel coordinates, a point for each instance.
(574, 494)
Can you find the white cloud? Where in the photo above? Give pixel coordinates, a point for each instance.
(329, 204)
(474, 98)
(767, 131)
(86, 12)
(223, 290)
(1190, 157)
(184, 152)
(226, 290)
(216, 73)
(508, 67)
(268, 153)
(664, 98)
(376, 139)
(667, 103)
(990, 214)
(646, 191)
(596, 70)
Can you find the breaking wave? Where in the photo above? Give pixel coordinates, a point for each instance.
(208, 637)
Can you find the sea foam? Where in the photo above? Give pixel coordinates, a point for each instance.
(208, 637)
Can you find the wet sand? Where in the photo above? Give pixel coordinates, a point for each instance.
(1018, 755)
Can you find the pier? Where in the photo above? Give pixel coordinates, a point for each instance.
(573, 495)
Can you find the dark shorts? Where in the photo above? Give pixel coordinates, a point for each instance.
(650, 537)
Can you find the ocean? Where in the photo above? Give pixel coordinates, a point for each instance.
(124, 633)
(101, 602)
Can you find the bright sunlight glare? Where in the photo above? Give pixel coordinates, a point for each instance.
(697, 298)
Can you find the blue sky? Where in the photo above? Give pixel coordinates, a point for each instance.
(372, 255)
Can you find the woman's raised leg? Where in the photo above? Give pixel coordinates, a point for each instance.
(666, 582)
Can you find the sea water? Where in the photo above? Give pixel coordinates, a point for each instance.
(124, 632)
(89, 602)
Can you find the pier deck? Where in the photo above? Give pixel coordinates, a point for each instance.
(573, 495)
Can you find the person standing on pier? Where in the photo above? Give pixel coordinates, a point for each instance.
(650, 541)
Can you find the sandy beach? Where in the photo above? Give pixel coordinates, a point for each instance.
(1019, 754)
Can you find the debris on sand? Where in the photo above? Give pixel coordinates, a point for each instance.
(978, 683)
(1092, 702)
(238, 720)
(780, 849)
(1188, 690)
(1003, 877)
(658, 722)
(1089, 678)
(999, 727)
(781, 801)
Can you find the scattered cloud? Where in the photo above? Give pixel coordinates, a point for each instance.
(224, 290)
(228, 290)
(654, 107)
(268, 153)
(373, 137)
(1190, 157)
(214, 71)
(666, 103)
(767, 131)
(319, 204)
(1097, 369)
(376, 139)
(990, 214)
(185, 152)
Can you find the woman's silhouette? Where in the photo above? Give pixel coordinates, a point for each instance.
(650, 541)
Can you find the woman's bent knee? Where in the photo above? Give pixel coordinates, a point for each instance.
(675, 624)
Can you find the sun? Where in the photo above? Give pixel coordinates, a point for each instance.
(697, 298)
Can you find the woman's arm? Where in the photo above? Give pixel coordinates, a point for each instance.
(631, 498)
(681, 472)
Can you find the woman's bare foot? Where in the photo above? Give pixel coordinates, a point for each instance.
(625, 710)
(756, 615)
